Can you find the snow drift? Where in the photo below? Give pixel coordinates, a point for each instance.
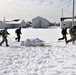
(55, 58)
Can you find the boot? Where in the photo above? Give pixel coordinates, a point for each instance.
(7, 45)
(0, 44)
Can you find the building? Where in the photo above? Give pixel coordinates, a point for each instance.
(16, 23)
(2, 25)
(13, 24)
(39, 22)
(67, 22)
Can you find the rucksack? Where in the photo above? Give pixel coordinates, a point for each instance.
(16, 31)
(1, 32)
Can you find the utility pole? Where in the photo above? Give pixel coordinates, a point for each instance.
(62, 19)
(73, 14)
(62, 13)
(4, 19)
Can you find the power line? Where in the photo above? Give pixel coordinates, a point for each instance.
(69, 3)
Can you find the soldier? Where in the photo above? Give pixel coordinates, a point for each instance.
(72, 32)
(64, 32)
(18, 32)
(4, 34)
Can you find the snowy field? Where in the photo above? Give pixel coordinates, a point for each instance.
(55, 58)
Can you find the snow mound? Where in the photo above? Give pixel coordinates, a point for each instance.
(33, 42)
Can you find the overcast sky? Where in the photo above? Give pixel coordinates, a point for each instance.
(28, 9)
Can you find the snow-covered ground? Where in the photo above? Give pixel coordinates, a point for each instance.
(55, 58)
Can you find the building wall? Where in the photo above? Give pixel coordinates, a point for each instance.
(13, 25)
(23, 24)
(39, 22)
(2, 25)
(16, 24)
(67, 24)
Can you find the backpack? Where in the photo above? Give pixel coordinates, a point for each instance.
(1, 32)
(16, 31)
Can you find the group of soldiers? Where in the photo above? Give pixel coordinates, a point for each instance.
(72, 32)
(4, 34)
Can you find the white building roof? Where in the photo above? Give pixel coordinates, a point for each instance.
(39, 17)
(14, 21)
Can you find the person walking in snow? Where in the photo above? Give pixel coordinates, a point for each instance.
(4, 34)
(18, 33)
(72, 32)
(63, 32)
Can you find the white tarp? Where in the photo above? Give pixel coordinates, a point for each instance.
(32, 42)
